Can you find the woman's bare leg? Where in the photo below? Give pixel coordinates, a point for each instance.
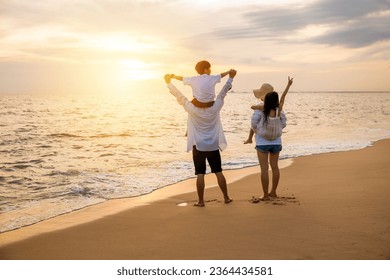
(273, 160)
(263, 161)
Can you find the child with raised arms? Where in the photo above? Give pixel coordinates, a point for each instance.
(203, 85)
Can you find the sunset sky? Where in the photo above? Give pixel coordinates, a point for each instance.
(122, 46)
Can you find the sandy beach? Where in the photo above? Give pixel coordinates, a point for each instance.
(330, 206)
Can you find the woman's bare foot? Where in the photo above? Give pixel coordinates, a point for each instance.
(228, 200)
(272, 194)
(264, 198)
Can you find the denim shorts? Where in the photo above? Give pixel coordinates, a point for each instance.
(269, 148)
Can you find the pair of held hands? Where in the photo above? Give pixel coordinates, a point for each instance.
(168, 77)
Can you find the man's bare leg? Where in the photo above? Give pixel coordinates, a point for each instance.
(200, 189)
(223, 186)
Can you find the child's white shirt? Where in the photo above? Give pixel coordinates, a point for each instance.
(259, 102)
(203, 86)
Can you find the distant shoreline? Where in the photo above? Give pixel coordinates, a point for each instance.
(73, 95)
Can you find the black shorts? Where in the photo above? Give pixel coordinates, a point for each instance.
(213, 158)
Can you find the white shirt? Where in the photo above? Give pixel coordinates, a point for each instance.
(203, 86)
(258, 121)
(204, 125)
(259, 102)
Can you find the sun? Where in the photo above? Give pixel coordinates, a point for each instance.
(137, 70)
(130, 52)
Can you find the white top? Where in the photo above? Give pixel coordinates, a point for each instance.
(203, 86)
(204, 125)
(258, 121)
(259, 102)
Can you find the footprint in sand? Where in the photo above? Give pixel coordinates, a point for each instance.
(280, 200)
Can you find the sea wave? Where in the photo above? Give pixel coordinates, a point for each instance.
(102, 135)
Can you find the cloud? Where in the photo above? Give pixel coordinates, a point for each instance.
(86, 15)
(349, 23)
(81, 30)
(360, 33)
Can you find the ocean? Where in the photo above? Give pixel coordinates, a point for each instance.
(60, 154)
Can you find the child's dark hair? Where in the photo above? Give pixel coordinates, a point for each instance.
(201, 66)
(271, 102)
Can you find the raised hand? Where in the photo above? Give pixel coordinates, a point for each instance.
(232, 73)
(167, 78)
(290, 81)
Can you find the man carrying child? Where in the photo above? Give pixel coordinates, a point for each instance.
(205, 134)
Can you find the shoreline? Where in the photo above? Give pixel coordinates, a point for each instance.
(115, 206)
(283, 162)
(325, 211)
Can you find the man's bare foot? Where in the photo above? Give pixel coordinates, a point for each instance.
(199, 204)
(264, 198)
(228, 200)
(249, 141)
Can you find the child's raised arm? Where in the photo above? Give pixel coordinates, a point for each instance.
(225, 73)
(281, 103)
(180, 78)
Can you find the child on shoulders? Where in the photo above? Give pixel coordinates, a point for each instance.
(203, 86)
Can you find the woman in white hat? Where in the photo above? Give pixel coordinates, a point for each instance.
(267, 125)
(259, 93)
